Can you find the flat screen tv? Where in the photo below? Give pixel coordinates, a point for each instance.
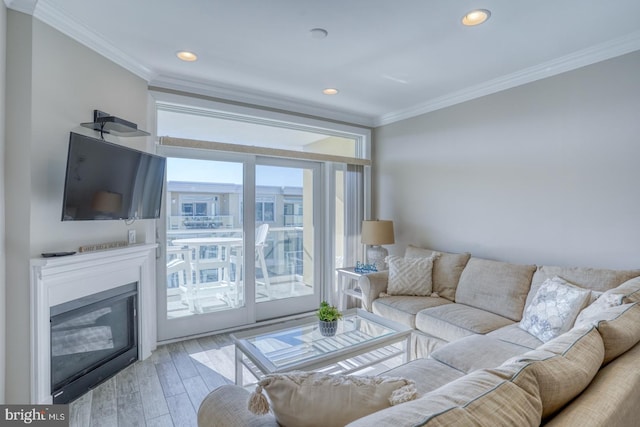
(109, 181)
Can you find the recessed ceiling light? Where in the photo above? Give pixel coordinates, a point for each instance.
(187, 56)
(330, 91)
(318, 33)
(476, 17)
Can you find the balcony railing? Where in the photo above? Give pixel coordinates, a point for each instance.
(188, 222)
(283, 255)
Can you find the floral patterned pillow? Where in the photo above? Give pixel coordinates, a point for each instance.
(554, 309)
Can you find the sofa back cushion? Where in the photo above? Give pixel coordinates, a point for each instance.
(446, 269)
(494, 286)
(504, 396)
(619, 327)
(564, 366)
(595, 279)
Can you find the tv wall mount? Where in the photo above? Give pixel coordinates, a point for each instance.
(106, 123)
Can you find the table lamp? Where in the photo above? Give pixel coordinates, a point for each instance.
(376, 233)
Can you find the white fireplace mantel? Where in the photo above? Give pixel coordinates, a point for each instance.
(62, 279)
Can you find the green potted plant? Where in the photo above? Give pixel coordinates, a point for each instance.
(328, 316)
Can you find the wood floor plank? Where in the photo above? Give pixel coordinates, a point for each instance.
(130, 412)
(182, 361)
(223, 364)
(145, 368)
(192, 346)
(104, 404)
(161, 354)
(153, 402)
(208, 343)
(127, 381)
(169, 379)
(161, 421)
(196, 389)
(211, 378)
(80, 411)
(164, 390)
(182, 411)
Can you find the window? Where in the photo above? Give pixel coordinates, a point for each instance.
(187, 209)
(201, 209)
(265, 211)
(293, 212)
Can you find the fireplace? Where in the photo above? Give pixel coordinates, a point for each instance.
(92, 339)
(92, 314)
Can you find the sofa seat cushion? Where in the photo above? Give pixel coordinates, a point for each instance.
(451, 322)
(516, 335)
(498, 287)
(595, 279)
(403, 309)
(422, 345)
(428, 374)
(475, 352)
(619, 327)
(565, 366)
(504, 396)
(447, 268)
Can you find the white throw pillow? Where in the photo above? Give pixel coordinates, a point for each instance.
(410, 276)
(554, 309)
(603, 302)
(312, 399)
(627, 292)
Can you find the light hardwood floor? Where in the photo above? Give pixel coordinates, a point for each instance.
(164, 390)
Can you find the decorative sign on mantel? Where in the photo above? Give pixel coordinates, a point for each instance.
(103, 246)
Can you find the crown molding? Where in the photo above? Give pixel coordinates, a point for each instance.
(261, 99)
(58, 19)
(24, 6)
(575, 60)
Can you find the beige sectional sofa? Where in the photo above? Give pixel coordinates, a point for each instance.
(473, 363)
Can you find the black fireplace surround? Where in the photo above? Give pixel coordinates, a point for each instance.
(92, 339)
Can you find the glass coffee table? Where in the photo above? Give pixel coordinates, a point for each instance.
(363, 340)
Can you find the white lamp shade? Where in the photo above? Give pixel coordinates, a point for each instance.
(379, 232)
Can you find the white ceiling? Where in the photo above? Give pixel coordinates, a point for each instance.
(389, 59)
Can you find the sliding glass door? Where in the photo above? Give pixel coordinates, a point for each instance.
(287, 243)
(240, 242)
(260, 209)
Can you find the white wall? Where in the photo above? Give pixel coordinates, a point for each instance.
(544, 173)
(3, 44)
(54, 84)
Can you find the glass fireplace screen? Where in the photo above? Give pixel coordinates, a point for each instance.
(87, 336)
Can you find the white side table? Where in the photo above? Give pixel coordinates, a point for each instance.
(346, 276)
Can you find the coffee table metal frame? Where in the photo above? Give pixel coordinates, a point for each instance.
(345, 359)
